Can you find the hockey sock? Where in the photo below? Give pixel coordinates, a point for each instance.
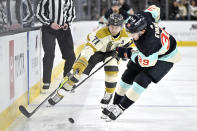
(125, 103)
(117, 99)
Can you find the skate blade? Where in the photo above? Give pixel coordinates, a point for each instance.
(103, 116)
(108, 120)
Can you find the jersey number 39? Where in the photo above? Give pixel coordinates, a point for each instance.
(165, 39)
(145, 62)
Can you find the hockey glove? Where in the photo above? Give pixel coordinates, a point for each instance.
(124, 52)
(80, 65)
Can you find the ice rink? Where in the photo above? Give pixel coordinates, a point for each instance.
(170, 105)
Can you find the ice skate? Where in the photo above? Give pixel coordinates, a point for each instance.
(106, 111)
(115, 113)
(58, 96)
(45, 88)
(55, 99)
(106, 100)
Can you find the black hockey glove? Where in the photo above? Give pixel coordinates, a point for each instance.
(122, 50)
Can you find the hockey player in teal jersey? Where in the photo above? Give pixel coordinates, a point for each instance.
(155, 56)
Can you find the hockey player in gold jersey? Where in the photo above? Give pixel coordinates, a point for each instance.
(100, 47)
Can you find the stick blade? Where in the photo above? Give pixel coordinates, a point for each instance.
(24, 111)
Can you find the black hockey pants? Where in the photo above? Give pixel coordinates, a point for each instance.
(144, 76)
(65, 42)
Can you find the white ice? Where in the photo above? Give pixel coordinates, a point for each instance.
(170, 105)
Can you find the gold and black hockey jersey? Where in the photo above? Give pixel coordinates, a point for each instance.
(101, 40)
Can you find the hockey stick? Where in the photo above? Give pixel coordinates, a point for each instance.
(73, 89)
(24, 111)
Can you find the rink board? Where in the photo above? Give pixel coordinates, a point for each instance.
(21, 80)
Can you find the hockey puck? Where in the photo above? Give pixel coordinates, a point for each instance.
(71, 120)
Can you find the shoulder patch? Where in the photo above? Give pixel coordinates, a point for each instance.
(103, 32)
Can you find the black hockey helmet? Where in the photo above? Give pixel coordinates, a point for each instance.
(115, 19)
(115, 3)
(136, 23)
